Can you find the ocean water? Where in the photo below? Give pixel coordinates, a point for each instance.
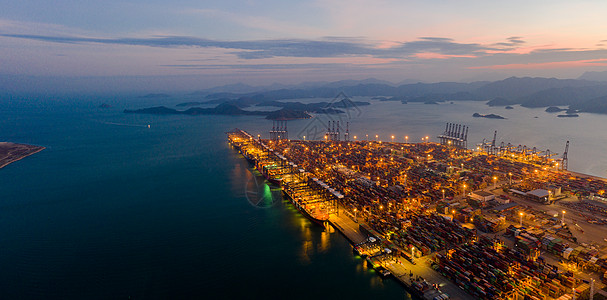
(113, 209)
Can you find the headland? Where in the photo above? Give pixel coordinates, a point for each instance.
(11, 152)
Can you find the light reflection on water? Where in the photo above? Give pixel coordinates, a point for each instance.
(316, 242)
(325, 241)
(306, 251)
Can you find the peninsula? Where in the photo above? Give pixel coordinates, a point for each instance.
(11, 152)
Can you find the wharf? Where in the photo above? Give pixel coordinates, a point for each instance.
(395, 189)
(347, 227)
(403, 271)
(401, 268)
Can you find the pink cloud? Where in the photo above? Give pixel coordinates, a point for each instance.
(432, 55)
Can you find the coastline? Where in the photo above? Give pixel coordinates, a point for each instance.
(582, 175)
(7, 150)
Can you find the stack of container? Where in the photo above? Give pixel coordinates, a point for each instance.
(527, 246)
(556, 246)
(489, 224)
(487, 270)
(430, 233)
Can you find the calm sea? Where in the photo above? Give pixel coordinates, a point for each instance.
(113, 209)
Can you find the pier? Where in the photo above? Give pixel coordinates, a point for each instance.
(409, 209)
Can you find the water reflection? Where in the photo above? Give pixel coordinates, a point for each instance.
(325, 241)
(313, 242)
(306, 251)
(256, 189)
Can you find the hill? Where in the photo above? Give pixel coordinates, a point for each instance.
(596, 105)
(563, 96)
(517, 87)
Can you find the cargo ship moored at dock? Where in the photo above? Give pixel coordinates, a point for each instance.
(312, 197)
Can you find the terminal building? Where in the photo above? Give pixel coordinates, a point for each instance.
(539, 195)
(480, 198)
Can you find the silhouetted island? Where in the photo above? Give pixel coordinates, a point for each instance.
(287, 114)
(105, 105)
(222, 109)
(317, 107)
(489, 116)
(553, 109)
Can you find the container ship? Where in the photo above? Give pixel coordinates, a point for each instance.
(313, 212)
(312, 197)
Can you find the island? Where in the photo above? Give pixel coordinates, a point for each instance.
(498, 101)
(381, 98)
(568, 116)
(222, 109)
(489, 116)
(553, 109)
(104, 105)
(317, 107)
(287, 114)
(509, 107)
(12, 152)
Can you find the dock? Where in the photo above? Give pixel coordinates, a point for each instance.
(400, 268)
(275, 165)
(404, 207)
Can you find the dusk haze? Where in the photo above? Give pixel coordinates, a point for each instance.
(315, 149)
(209, 43)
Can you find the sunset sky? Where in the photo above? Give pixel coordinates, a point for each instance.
(209, 43)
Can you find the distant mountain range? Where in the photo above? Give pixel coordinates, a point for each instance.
(585, 95)
(581, 95)
(405, 92)
(594, 76)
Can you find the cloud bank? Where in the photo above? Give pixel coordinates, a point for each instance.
(326, 47)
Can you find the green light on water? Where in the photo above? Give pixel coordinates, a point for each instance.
(267, 194)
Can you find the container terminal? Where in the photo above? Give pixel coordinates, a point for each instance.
(447, 222)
